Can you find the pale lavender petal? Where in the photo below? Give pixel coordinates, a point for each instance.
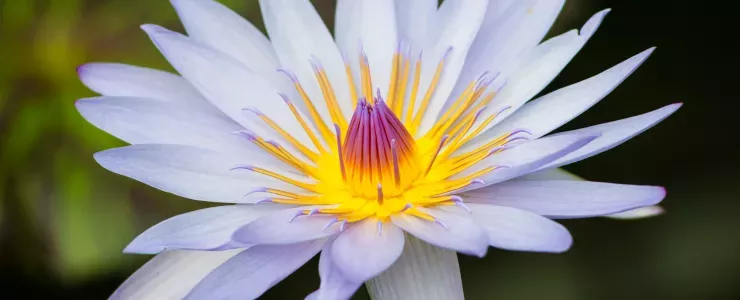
(119, 80)
(613, 134)
(549, 174)
(567, 199)
(190, 172)
(514, 229)
(148, 121)
(171, 274)
(547, 113)
(255, 270)
(204, 229)
(451, 231)
(367, 248)
(525, 158)
(213, 24)
(287, 226)
(334, 283)
(413, 18)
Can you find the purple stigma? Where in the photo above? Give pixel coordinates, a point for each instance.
(331, 222)
(438, 221)
(266, 200)
(380, 228)
(243, 167)
(297, 214)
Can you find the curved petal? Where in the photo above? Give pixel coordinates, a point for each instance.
(334, 284)
(189, 172)
(171, 274)
(228, 85)
(366, 249)
(450, 36)
(287, 226)
(119, 80)
(568, 198)
(204, 229)
(452, 231)
(147, 121)
(549, 174)
(413, 18)
(525, 158)
(299, 36)
(510, 29)
(540, 67)
(371, 25)
(255, 270)
(547, 113)
(213, 24)
(518, 230)
(613, 134)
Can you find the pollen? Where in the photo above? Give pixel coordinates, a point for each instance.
(378, 163)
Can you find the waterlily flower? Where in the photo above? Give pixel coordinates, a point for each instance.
(413, 121)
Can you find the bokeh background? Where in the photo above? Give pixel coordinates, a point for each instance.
(64, 220)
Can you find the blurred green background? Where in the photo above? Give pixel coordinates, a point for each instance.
(64, 220)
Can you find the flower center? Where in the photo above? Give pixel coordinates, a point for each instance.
(378, 167)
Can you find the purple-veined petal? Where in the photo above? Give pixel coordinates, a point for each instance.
(525, 158)
(190, 172)
(171, 274)
(287, 226)
(413, 19)
(119, 80)
(213, 24)
(255, 270)
(366, 249)
(334, 283)
(204, 229)
(450, 36)
(452, 231)
(518, 230)
(370, 25)
(229, 86)
(567, 198)
(540, 67)
(547, 113)
(148, 121)
(299, 36)
(613, 134)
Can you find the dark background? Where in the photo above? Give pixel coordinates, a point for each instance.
(64, 220)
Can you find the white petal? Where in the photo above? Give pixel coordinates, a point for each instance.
(364, 250)
(213, 24)
(450, 37)
(413, 18)
(204, 229)
(510, 29)
(525, 158)
(423, 272)
(519, 230)
(613, 134)
(334, 284)
(453, 231)
(255, 270)
(190, 172)
(171, 274)
(110, 79)
(567, 198)
(639, 213)
(228, 85)
(370, 24)
(287, 226)
(540, 67)
(547, 113)
(148, 121)
(299, 35)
